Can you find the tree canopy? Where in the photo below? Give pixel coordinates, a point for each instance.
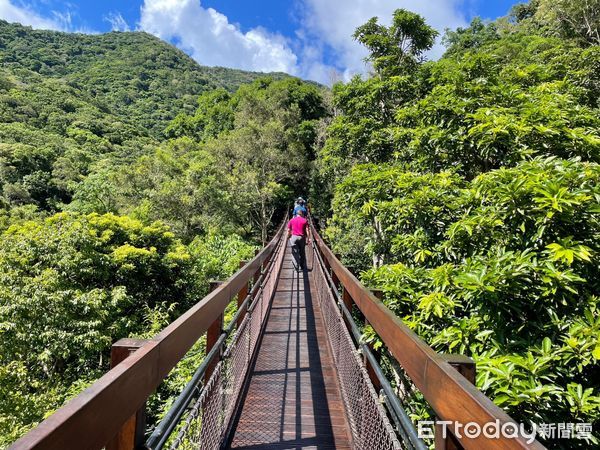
(467, 190)
(400, 46)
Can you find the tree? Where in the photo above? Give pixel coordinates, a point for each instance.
(504, 268)
(72, 284)
(398, 48)
(213, 116)
(467, 190)
(260, 142)
(81, 131)
(361, 130)
(514, 98)
(256, 160)
(575, 19)
(477, 34)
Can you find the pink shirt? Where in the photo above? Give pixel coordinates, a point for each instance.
(298, 226)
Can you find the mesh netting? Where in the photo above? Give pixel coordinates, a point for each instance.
(205, 424)
(369, 423)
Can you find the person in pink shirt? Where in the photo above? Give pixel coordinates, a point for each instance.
(298, 237)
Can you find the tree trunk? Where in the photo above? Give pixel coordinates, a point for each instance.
(378, 258)
(264, 222)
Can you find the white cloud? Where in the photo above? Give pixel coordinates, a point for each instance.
(26, 16)
(211, 40)
(117, 22)
(328, 23)
(323, 48)
(325, 28)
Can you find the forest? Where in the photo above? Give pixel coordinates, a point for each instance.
(129, 178)
(467, 189)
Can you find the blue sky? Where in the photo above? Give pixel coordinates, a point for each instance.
(307, 38)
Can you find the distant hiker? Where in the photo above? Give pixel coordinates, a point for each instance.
(298, 237)
(300, 205)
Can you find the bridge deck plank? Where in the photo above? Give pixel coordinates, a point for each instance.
(293, 398)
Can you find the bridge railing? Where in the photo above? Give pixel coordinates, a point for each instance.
(371, 402)
(204, 420)
(104, 415)
(452, 396)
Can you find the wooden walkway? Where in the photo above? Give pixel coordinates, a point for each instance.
(292, 400)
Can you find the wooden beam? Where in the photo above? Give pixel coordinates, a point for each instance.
(467, 368)
(242, 294)
(370, 370)
(131, 434)
(348, 303)
(334, 277)
(212, 336)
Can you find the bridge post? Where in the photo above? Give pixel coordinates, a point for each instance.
(334, 277)
(131, 434)
(376, 384)
(467, 368)
(241, 297)
(212, 336)
(347, 299)
(326, 263)
(258, 271)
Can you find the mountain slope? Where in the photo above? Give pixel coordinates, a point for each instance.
(134, 74)
(70, 101)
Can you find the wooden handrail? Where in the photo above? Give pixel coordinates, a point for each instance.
(451, 395)
(95, 416)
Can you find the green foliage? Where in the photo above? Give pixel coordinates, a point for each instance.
(504, 268)
(179, 183)
(475, 36)
(233, 167)
(467, 190)
(68, 101)
(132, 75)
(213, 116)
(81, 130)
(259, 142)
(497, 98)
(396, 48)
(71, 285)
(573, 19)
(496, 107)
(217, 256)
(398, 213)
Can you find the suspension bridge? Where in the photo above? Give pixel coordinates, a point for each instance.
(288, 371)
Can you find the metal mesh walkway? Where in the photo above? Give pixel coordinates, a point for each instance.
(293, 397)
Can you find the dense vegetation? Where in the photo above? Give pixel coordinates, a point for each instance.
(69, 102)
(77, 284)
(129, 177)
(468, 190)
(132, 75)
